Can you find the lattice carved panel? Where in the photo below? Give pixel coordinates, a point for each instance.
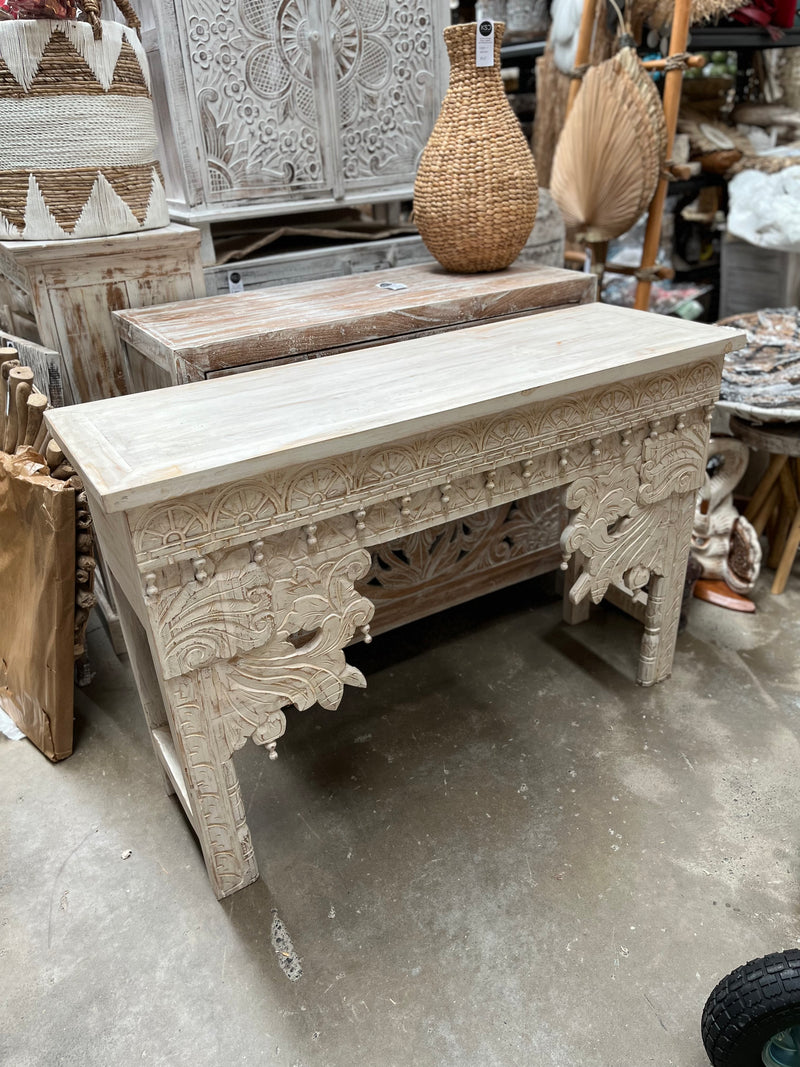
(457, 550)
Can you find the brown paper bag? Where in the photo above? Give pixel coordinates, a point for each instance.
(37, 601)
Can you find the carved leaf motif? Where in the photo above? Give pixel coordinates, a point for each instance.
(201, 623)
(673, 463)
(608, 496)
(637, 542)
(268, 640)
(612, 532)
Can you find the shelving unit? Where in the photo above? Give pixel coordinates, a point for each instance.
(736, 38)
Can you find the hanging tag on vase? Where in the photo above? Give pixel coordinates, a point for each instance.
(484, 44)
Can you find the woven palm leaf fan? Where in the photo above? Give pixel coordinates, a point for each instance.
(611, 151)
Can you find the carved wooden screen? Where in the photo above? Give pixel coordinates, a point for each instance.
(276, 100)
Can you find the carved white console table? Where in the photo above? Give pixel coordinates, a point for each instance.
(237, 514)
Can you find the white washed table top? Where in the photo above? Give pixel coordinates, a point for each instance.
(147, 447)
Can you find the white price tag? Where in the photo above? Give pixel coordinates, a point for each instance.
(484, 44)
(235, 282)
(392, 286)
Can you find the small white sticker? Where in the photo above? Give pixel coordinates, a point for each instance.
(484, 44)
(393, 286)
(235, 282)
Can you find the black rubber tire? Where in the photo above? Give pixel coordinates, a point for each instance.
(750, 1005)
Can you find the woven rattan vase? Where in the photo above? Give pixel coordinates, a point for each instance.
(77, 131)
(476, 194)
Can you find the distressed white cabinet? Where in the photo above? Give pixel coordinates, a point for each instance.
(266, 106)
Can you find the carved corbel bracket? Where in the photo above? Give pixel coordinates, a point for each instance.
(625, 520)
(254, 640)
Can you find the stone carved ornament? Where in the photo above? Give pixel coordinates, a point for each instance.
(723, 541)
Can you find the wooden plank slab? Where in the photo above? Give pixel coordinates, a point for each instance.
(138, 449)
(224, 332)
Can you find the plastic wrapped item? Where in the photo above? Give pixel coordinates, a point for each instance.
(762, 207)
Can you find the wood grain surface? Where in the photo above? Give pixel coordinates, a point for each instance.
(226, 332)
(146, 447)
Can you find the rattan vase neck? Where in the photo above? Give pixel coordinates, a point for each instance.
(476, 194)
(460, 44)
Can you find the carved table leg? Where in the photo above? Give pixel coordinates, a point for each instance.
(236, 643)
(631, 527)
(661, 626)
(212, 787)
(192, 762)
(665, 594)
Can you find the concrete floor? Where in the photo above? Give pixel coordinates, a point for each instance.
(501, 853)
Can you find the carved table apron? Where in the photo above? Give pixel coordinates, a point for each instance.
(236, 515)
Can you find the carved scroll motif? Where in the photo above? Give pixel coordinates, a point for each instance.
(629, 521)
(256, 640)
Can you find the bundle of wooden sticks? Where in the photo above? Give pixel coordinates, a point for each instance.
(22, 408)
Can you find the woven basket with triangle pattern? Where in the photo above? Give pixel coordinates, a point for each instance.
(77, 137)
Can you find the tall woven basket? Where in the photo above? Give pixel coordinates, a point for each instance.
(476, 194)
(78, 132)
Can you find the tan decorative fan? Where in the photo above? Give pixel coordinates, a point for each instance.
(611, 152)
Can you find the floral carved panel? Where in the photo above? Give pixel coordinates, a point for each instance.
(252, 72)
(296, 97)
(387, 88)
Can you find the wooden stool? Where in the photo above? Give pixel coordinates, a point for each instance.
(775, 505)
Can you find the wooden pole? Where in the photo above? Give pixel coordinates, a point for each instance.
(659, 64)
(672, 100)
(582, 51)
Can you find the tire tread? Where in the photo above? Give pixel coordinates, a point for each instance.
(752, 992)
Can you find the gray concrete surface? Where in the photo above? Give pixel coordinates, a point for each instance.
(501, 853)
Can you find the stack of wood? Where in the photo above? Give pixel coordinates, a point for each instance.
(44, 501)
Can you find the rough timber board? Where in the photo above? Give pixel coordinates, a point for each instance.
(139, 449)
(250, 327)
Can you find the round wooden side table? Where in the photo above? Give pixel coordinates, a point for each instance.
(760, 391)
(775, 505)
